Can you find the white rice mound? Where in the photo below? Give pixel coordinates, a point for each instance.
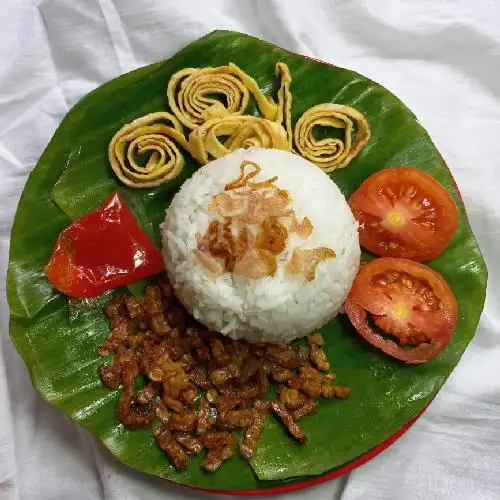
(275, 309)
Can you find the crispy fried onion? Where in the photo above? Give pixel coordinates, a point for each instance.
(241, 132)
(306, 261)
(243, 179)
(254, 220)
(331, 153)
(155, 134)
(198, 95)
(284, 115)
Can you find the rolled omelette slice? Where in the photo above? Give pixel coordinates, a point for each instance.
(331, 153)
(240, 132)
(284, 115)
(198, 95)
(157, 134)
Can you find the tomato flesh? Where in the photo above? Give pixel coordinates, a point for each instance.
(412, 304)
(104, 249)
(404, 212)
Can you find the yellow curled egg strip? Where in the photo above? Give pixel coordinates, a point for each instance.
(331, 153)
(193, 94)
(239, 131)
(156, 134)
(284, 115)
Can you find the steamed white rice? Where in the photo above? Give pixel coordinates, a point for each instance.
(274, 309)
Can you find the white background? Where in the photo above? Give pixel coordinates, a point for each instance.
(441, 57)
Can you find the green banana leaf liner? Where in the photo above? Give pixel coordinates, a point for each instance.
(73, 177)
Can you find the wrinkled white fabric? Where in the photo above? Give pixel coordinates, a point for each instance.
(441, 57)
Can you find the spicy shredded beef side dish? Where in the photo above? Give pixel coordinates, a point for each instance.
(202, 386)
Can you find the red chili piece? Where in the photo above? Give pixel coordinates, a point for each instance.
(104, 249)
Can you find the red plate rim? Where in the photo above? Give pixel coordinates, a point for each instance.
(321, 478)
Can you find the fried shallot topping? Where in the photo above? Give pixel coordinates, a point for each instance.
(203, 387)
(251, 228)
(306, 261)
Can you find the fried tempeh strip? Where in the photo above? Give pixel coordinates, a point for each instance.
(152, 302)
(292, 398)
(318, 357)
(199, 377)
(215, 457)
(335, 391)
(287, 420)
(189, 393)
(117, 335)
(148, 392)
(236, 419)
(165, 440)
(308, 408)
(172, 403)
(249, 369)
(134, 307)
(185, 421)
(310, 386)
(115, 307)
(109, 375)
(218, 439)
(252, 435)
(277, 372)
(286, 355)
(139, 416)
(220, 376)
(219, 353)
(192, 444)
(205, 420)
(315, 339)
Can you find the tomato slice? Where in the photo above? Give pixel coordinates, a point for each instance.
(103, 249)
(404, 212)
(412, 304)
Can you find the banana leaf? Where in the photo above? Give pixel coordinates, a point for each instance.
(73, 176)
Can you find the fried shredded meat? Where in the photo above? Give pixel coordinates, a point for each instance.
(202, 387)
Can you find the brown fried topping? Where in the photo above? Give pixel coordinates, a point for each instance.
(318, 357)
(315, 339)
(166, 441)
(110, 377)
(308, 408)
(306, 261)
(115, 307)
(256, 263)
(201, 386)
(243, 178)
(272, 236)
(205, 420)
(292, 398)
(252, 435)
(116, 336)
(304, 229)
(148, 392)
(287, 420)
(257, 218)
(172, 403)
(236, 419)
(134, 307)
(185, 421)
(191, 444)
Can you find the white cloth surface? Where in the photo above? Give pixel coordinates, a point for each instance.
(442, 57)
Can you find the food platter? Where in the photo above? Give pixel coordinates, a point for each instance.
(73, 177)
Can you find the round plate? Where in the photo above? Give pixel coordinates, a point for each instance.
(73, 177)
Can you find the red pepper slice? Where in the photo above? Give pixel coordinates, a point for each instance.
(102, 250)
